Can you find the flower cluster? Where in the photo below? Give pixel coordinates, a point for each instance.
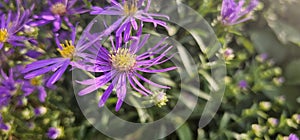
(124, 61)
(119, 63)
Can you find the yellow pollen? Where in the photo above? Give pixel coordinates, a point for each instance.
(59, 8)
(130, 7)
(123, 60)
(160, 98)
(36, 81)
(67, 49)
(3, 35)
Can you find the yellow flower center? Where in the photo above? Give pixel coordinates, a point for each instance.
(68, 49)
(123, 60)
(59, 8)
(3, 35)
(130, 7)
(36, 81)
(160, 99)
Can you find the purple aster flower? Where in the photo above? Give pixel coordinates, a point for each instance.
(129, 11)
(243, 84)
(233, 12)
(122, 65)
(11, 24)
(53, 133)
(58, 11)
(293, 137)
(60, 64)
(35, 85)
(7, 87)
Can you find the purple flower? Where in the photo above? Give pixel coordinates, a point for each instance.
(129, 11)
(11, 24)
(35, 84)
(58, 11)
(122, 65)
(293, 137)
(53, 133)
(243, 84)
(7, 87)
(233, 12)
(60, 64)
(3, 126)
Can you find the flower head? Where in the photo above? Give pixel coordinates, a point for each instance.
(33, 85)
(56, 12)
(10, 24)
(233, 12)
(58, 65)
(273, 121)
(243, 84)
(293, 137)
(7, 87)
(40, 111)
(122, 65)
(160, 99)
(54, 133)
(129, 11)
(228, 54)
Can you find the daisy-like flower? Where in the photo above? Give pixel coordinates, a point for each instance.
(233, 12)
(129, 11)
(10, 24)
(58, 11)
(60, 64)
(122, 65)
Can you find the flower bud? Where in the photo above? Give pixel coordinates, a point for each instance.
(228, 54)
(39, 111)
(243, 84)
(54, 133)
(296, 118)
(160, 99)
(26, 114)
(273, 122)
(257, 130)
(265, 106)
(262, 57)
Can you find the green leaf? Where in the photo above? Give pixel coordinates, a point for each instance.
(184, 132)
(224, 121)
(292, 74)
(285, 33)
